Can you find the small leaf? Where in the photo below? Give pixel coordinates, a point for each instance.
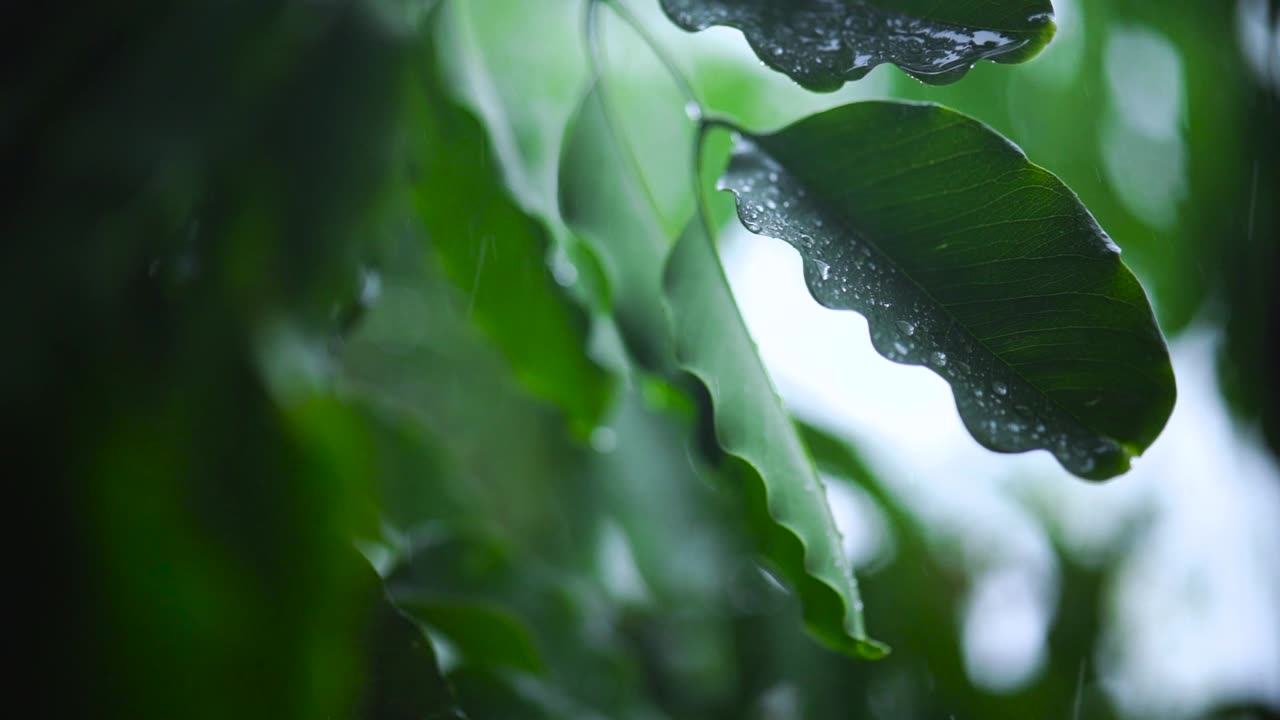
(787, 499)
(822, 44)
(966, 258)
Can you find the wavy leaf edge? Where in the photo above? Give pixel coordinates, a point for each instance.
(854, 640)
(1119, 453)
(1005, 50)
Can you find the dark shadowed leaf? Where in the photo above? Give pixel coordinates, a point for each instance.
(822, 44)
(402, 679)
(966, 258)
(485, 636)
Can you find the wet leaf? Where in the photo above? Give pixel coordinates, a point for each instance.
(786, 499)
(966, 258)
(823, 44)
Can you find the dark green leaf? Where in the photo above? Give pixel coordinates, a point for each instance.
(822, 44)
(402, 679)
(498, 254)
(786, 498)
(968, 259)
(485, 636)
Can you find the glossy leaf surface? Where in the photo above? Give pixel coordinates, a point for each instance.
(822, 44)
(966, 258)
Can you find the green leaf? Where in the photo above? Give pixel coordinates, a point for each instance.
(822, 44)
(485, 636)
(499, 695)
(497, 253)
(968, 259)
(608, 210)
(402, 678)
(787, 500)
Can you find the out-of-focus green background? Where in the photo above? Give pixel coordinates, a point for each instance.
(289, 297)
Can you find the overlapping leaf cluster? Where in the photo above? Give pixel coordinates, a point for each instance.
(526, 391)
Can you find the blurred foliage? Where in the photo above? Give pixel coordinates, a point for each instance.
(246, 329)
(164, 205)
